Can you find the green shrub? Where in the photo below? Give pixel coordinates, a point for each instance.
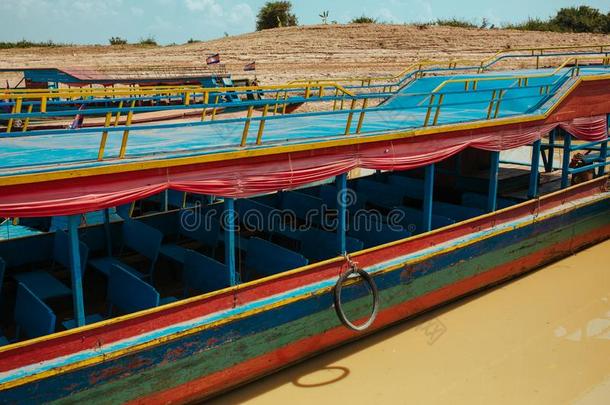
(29, 44)
(455, 22)
(148, 41)
(364, 20)
(581, 19)
(117, 41)
(571, 19)
(275, 14)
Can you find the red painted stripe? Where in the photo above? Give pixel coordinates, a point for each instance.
(259, 366)
(93, 338)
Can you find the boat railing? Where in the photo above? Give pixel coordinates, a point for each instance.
(42, 98)
(424, 66)
(32, 105)
(571, 65)
(424, 115)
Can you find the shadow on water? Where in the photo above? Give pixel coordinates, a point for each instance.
(324, 368)
(302, 382)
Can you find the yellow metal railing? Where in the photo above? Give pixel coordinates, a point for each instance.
(311, 91)
(471, 84)
(185, 92)
(453, 63)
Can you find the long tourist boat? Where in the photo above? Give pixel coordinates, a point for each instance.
(90, 93)
(171, 262)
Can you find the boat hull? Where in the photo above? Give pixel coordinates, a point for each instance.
(173, 356)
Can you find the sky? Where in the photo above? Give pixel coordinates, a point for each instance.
(176, 21)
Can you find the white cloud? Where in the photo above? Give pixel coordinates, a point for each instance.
(208, 6)
(385, 15)
(414, 10)
(137, 11)
(241, 14)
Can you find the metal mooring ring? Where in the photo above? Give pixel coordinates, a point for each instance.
(339, 306)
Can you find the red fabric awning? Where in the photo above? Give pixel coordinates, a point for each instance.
(251, 176)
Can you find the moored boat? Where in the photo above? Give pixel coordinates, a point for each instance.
(169, 272)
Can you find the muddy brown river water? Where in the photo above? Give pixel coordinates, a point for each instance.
(541, 339)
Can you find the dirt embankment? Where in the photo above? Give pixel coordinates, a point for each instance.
(288, 53)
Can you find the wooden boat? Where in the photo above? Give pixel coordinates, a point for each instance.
(269, 266)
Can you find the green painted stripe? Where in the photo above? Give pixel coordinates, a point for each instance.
(248, 347)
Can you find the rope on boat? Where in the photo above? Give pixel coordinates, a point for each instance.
(355, 270)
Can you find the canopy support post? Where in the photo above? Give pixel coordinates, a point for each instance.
(428, 197)
(534, 171)
(551, 151)
(565, 167)
(76, 271)
(492, 198)
(107, 231)
(230, 226)
(341, 181)
(603, 153)
(165, 201)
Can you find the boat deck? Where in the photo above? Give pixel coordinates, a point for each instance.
(40, 151)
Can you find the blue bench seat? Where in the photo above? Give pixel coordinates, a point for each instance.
(257, 215)
(319, 245)
(173, 251)
(126, 294)
(410, 187)
(43, 285)
(206, 232)
(376, 233)
(105, 264)
(203, 274)
(480, 201)
(264, 258)
(306, 207)
(454, 211)
(413, 220)
(140, 238)
(329, 195)
(32, 316)
(380, 194)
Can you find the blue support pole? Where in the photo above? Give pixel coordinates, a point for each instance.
(603, 153)
(428, 197)
(341, 181)
(493, 181)
(76, 271)
(107, 231)
(534, 171)
(565, 166)
(548, 167)
(165, 201)
(230, 227)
